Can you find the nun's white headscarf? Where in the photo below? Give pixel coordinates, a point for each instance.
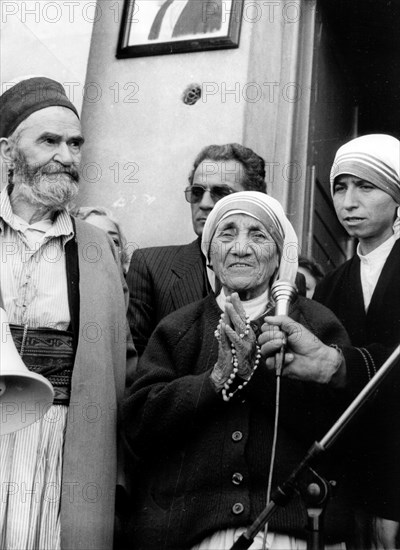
(374, 158)
(267, 211)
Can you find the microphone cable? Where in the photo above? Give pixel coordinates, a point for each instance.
(274, 445)
(283, 293)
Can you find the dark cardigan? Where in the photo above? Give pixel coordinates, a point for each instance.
(189, 442)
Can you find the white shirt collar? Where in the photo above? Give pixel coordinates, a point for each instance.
(371, 266)
(382, 250)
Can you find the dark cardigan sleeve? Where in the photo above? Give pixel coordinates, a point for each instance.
(172, 391)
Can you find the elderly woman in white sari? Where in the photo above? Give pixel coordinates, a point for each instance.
(199, 417)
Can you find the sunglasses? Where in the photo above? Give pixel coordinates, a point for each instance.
(194, 193)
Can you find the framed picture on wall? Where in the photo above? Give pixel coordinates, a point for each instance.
(157, 27)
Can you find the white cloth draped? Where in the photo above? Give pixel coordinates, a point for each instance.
(223, 540)
(374, 158)
(30, 474)
(270, 213)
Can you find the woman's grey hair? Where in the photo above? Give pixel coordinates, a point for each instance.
(254, 166)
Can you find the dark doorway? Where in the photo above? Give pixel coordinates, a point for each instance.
(356, 91)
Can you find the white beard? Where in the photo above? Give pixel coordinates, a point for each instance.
(49, 186)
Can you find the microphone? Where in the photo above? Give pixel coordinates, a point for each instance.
(283, 293)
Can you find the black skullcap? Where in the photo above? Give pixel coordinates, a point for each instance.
(28, 96)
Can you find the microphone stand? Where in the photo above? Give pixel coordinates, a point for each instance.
(283, 493)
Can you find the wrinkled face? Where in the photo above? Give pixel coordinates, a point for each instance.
(211, 174)
(311, 281)
(243, 255)
(365, 211)
(47, 154)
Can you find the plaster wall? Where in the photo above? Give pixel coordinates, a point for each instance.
(46, 38)
(141, 137)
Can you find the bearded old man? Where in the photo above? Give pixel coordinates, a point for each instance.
(64, 296)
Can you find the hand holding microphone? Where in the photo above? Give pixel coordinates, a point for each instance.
(283, 293)
(285, 342)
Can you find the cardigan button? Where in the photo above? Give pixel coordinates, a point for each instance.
(238, 508)
(237, 435)
(237, 478)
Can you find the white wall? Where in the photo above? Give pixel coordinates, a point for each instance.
(46, 38)
(158, 133)
(141, 138)
(157, 136)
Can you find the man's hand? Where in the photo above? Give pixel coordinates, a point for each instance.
(307, 358)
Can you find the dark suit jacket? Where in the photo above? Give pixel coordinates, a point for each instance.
(377, 332)
(161, 280)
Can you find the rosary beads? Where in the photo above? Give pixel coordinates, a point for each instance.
(228, 390)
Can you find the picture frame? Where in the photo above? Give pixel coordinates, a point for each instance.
(161, 27)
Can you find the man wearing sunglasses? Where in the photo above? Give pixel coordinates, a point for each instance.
(163, 279)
